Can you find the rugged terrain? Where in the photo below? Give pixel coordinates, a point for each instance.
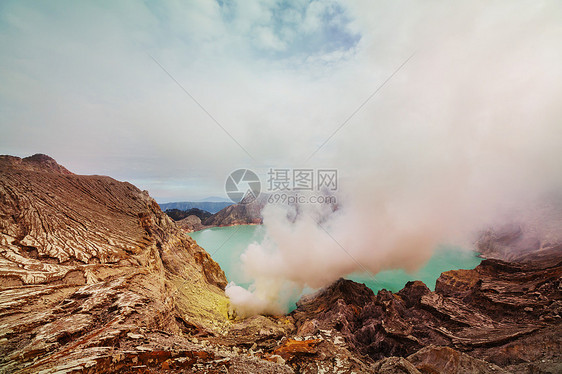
(503, 313)
(189, 220)
(178, 215)
(232, 215)
(95, 278)
(191, 223)
(238, 214)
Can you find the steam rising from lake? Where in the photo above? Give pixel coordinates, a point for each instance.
(466, 134)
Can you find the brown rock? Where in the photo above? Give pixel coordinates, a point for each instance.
(84, 260)
(292, 348)
(237, 214)
(395, 365)
(483, 312)
(445, 360)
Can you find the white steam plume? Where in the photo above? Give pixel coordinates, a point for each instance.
(468, 131)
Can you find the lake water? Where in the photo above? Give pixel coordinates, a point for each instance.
(226, 244)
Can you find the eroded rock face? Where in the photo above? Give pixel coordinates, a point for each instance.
(178, 215)
(504, 314)
(190, 224)
(84, 260)
(37, 162)
(237, 214)
(445, 360)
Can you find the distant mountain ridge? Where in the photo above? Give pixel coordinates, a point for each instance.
(209, 206)
(214, 199)
(177, 215)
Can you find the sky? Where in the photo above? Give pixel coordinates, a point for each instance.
(81, 82)
(172, 96)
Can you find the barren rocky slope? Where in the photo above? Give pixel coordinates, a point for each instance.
(503, 313)
(238, 214)
(178, 215)
(190, 224)
(94, 278)
(232, 215)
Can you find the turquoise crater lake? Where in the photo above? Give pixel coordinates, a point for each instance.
(226, 244)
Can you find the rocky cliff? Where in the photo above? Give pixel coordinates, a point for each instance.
(178, 215)
(191, 223)
(232, 215)
(95, 278)
(498, 315)
(237, 214)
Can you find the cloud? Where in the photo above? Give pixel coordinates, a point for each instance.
(463, 137)
(79, 84)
